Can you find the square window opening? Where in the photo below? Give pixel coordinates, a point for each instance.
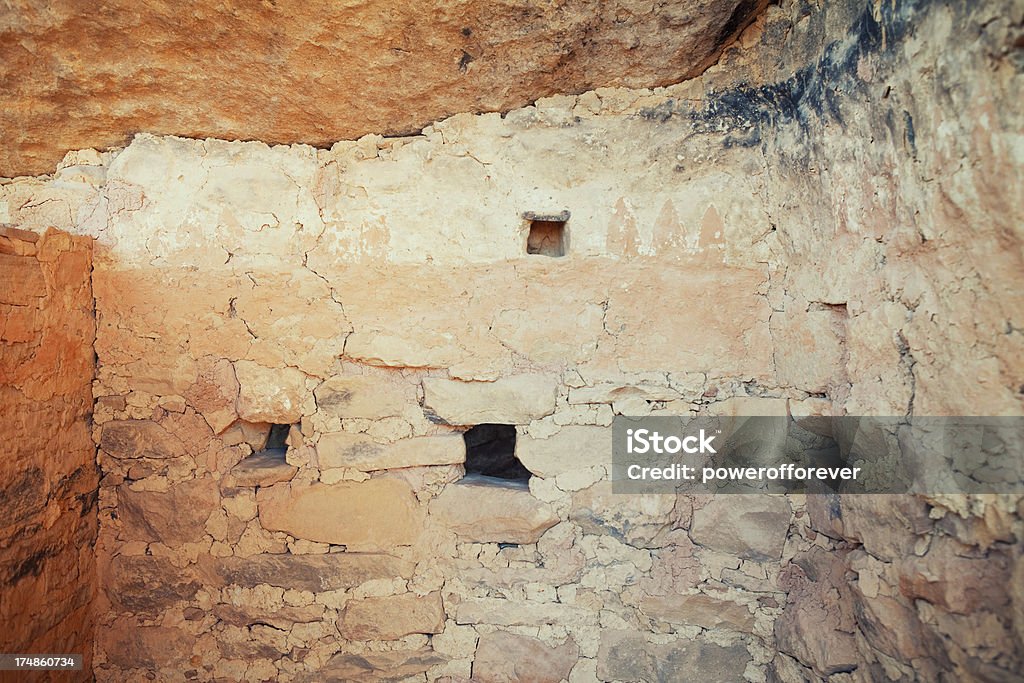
(548, 235)
(491, 454)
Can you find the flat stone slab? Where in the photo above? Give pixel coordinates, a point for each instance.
(334, 571)
(752, 527)
(262, 469)
(700, 610)
(511, 400)
(360, 452)
(393, 665)
(139, 439)
(574, 447)
(370, 515)
(171, 517)
(148, 584)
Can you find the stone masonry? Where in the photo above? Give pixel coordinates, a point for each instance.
(823, 223)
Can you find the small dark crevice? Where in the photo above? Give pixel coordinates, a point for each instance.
(277, 442)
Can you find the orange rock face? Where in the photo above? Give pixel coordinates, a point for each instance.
(322, 71)
(48, 527)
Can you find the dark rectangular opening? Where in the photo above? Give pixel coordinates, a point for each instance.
(491, 452)
(277, 442)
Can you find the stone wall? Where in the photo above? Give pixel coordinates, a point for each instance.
(823, 223)
(49, 524)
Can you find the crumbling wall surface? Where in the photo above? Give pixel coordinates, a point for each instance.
(48, 471)
(803, 229)
(893, 158)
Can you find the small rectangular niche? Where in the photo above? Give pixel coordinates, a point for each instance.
(548, 235)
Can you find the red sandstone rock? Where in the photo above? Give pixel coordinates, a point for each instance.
(321, 72)
(48, 471)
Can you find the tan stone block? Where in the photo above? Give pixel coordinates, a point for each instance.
(376, 348)
(374, 514)
(637, 518)
(176, 516)
(366, 396)
(260, 469)
(612, 392)
(571, 448)
(147, 584)
(700, 610)
(139, 439)
(131, 646)
(492, 511)
(392, 617)
(21, 280)
(503, 657)
(753, 526)
(360, 452)
(272, 395)
(630, 656)
(511, 400)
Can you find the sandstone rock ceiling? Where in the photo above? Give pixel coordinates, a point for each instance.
(75, 74)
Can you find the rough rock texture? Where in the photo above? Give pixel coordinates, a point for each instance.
(629, 657)
(748, 526)
(489, 511)
(48, 525)
(318, 72)
(806, 197)
(503, 657)
(392, 617)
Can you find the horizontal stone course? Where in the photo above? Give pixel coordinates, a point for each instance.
(333, 571)
(361, 452)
